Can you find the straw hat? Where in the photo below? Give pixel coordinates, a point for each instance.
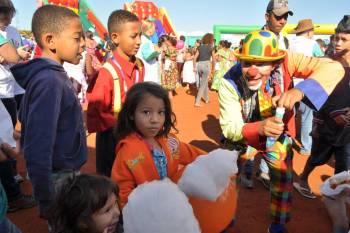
(304, 25)
(260, 46)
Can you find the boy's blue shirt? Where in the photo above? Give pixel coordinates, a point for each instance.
(53, 134)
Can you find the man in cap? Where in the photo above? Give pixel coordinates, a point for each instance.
(276, 17)
(331, 126)
(248, 94)
(303, 43)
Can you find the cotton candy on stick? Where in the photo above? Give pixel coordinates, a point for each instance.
(209, 175)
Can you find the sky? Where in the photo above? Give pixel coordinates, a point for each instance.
(200, 15)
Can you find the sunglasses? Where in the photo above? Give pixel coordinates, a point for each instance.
(278, 18)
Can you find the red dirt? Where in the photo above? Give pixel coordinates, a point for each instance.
(200, 127)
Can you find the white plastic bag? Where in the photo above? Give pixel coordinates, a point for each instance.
(6, 127)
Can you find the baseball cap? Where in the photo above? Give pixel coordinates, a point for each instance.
(279, 7)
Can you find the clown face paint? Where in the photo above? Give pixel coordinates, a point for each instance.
(256, 73)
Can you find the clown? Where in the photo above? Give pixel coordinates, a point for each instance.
(248, 96)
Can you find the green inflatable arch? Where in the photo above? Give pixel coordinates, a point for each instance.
(232, 29)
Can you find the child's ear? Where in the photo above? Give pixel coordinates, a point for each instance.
(115, 37)
(49, 41)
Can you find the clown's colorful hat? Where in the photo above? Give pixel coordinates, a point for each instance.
(260, 46)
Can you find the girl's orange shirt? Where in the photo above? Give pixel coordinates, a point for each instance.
(134, 164)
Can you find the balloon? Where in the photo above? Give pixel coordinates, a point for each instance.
(180, 44)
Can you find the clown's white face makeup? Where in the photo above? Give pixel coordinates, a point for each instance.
(256, 87)
(256, 73)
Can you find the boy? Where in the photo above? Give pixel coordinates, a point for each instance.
(115, 78)
(53, 135)
(247, 95)
(331, 125)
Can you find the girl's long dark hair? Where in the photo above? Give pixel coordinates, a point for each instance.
(76, 200)
(125, 125)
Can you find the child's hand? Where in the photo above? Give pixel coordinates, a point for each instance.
(16, 135)
(288, 99)
(271, 127)
(23, 53)
(341, 120)
(8, 150)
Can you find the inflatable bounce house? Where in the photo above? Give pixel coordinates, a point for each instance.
(142, 9)
(87, 16)
(145, 10)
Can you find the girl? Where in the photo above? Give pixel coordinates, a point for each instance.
(189, 76)
(146, 151)
(91, 49)
(222, 65)
(85, 203)
(170, 72)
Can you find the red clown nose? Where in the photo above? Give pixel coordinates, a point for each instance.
(252, 72)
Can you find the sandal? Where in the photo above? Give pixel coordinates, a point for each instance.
(305, 192)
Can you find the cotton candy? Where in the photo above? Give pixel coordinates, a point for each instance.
(209, 175)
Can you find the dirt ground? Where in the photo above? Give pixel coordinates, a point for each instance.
(200, 127)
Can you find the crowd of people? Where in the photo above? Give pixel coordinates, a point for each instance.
(267, 87)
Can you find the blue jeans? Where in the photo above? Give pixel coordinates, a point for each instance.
(306, 127)
(6, 226)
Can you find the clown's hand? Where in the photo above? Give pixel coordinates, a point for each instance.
(271, 127)
(288, 99)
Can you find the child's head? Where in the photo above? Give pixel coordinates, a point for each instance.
(85, 203)
(173, 41)
(125, 31)
(208, 39)
(89, 35)
(148, 27)
(58, 31)
(7, 11)
(162, 40)
(147, 111)
(190, 51)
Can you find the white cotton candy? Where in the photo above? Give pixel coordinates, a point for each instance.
(209, 175)
(159, 207)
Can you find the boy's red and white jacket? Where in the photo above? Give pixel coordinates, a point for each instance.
(100, 114)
